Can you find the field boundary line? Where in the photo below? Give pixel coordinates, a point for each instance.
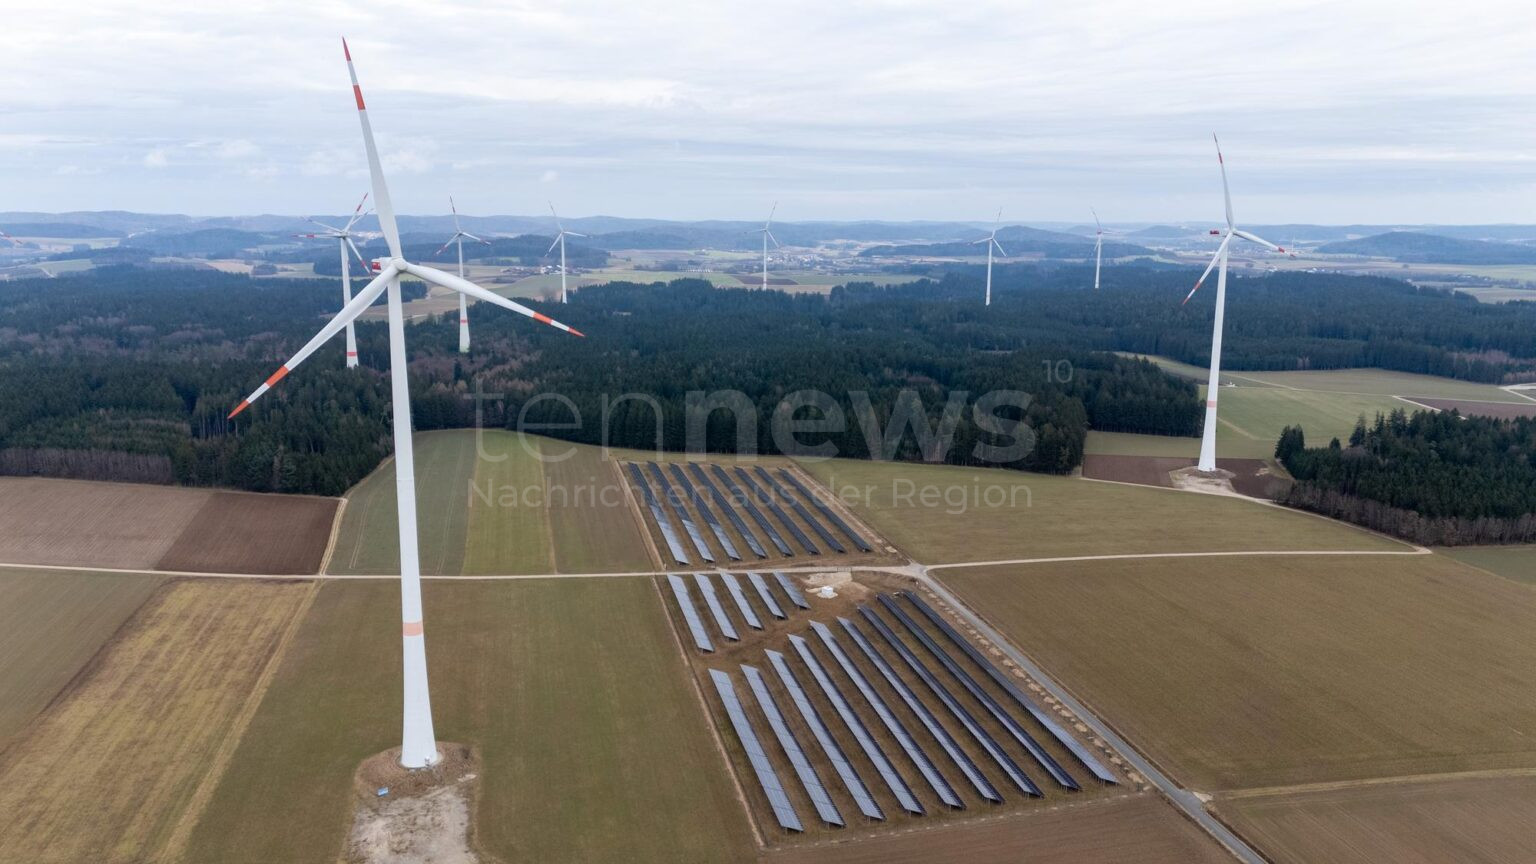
(1365, 783)
(1418, 550)
(1421, 405)
(330, 544)
(192, 814)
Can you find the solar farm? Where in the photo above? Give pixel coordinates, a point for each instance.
(857, 706)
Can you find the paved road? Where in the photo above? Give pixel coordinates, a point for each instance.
(1182, 798)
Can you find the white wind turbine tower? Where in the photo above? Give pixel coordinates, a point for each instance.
(458, 237)
(768, 235)
(560, 240)
(344, 237)
(991, 241)
(418, 743)
(1219, 260)
(1098, 247)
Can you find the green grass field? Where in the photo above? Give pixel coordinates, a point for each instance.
(51, 624)
(1244, 672)
(1511, 562)
(368, 541)
(994, 514)
(573, 691)
(1251, 417)
(1130, 444)
(509, 529)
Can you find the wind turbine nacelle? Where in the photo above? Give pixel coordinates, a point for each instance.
(378, 264)
(1215, 232)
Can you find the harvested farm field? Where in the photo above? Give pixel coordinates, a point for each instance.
(240, 532)
(1137, 827)
(1469, 820)
(84, 523)
(118, 767)
(1241, 672)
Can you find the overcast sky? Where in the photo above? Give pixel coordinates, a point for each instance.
(1328, 112)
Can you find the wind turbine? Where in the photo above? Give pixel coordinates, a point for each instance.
(768, 235)
(418, 743)
(343, 237)
(1098, 246)
(20, 245)
(560, 239)
(1213, 384)
(991, 241)
(458, 237)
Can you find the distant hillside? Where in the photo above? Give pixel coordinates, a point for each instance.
(1413, 247)
(1163, 232)
(208, 242)
(60, 230)
(1016, 240)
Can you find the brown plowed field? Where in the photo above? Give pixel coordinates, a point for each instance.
(83, 523)
(1482, 409)
(1252, 476)
(1131, 828)
(240, 532)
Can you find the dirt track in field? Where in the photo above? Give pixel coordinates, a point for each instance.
(1481, 409)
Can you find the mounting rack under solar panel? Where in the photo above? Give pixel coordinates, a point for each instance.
(712, 600)
(867, 743)
(1045, 759)
(982, 736)
(889, 720)
(662, 521)
(741, 498)
(729, 511)
(827, 511)
(803, 769)
(685, 602)
(1067, 739)
(825, 535)
(915, 705)
(709, 515)
(763, 594)
(766, 500)
(829, 746)
(676, 501)
(767, 778)
(733, 587)
(791, 589)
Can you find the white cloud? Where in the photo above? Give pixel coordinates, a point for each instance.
(549, 175)
(156, 158)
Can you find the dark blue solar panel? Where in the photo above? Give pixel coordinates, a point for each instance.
(746, 504)
(831, 514)
(767, 778)
(823, 735)
(1051, 766)
(888, 719)
(730, 512)
(778, 490)
(766, 500)
(712, 600)
(915, 705)
(791, 590)
(690, 614)
(733, 587)
(765, 595)
(702, 506)
(877, 757)
(662, 521)
(676, 502)
(982, 736)
(807, 774)
(1067, 740)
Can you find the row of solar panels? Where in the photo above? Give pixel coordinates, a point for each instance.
(669, 488)
(927, 767)
(722, 618)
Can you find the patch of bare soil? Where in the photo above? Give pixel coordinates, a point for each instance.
(1218, 482)
(423, 818)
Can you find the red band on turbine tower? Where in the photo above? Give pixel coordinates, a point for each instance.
(1210, 403)
(411, 628)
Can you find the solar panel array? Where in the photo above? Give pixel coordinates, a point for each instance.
(767, 778)
(764, 499)
(690, 614)
(791, 589)
(1065, 738)
(763, 594)
(676, 502)
(809, 780)
(712, 600)
(730, 512)
(662, 521)
(748, 614)
(702, 506)
(741, 601)
(827, 511)
(774, 488)
(834, 752)
(740, 497)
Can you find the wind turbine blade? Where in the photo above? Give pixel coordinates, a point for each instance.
(381, 200)
(1225, 191)
(445, 246)
(558, 226)
(998, 221)
(455, 209)
(1096, 222)
(473, 237)
(360, 301)
(987, 239)
(553, 244)
(1254, 238)
(360, 259)
(1209, 267)
(772, 211)
(999, 247)
(314, 221)
(776, 243)
(573, 234)
(356, 214)
(464, 286)
(14, 241)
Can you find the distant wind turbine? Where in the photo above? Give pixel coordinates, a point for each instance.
(768, 235)
(991, 241)
(1219, 260)
(1098, 246)
(344, 237)
(418, 743)
(458, 237)
(560, 239)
